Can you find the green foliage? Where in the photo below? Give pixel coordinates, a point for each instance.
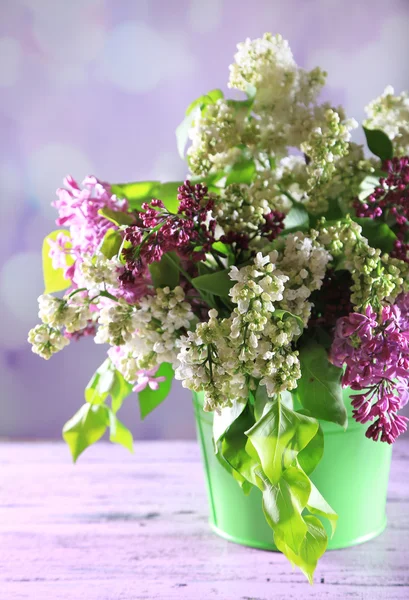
(118, 433)
(378, 234)
(85, 428)
(242, 172)
(111, 243)
(136, 192)
(218, 283)
(107, 381)
(54, 280)
(116, 216)
(165, 272)
(319, 388)
(150, 399)
(193, 112)
(296, 219)
(275, 453)
(379, 143)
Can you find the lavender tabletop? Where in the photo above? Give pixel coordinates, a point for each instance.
(134, 527)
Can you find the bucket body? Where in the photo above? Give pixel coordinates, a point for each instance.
(352, 476)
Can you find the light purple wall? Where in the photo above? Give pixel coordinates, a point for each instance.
(93, 86)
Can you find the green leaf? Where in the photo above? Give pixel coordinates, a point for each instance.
(319, 388)
(242, 172)
(111, 243)
(54, 280)
(168, 193)
(182, 130)
(165, 272)
(86, 427)
(118, 433)
(283, 504)
(279, 436)
(310, 456)
(150, 399)
(378, 234)
(379, 143)
(136, 192)
(223, 420)
(319, 506)
(367, 186)
(119, 390)
(222, 248)
(100, 384)
(107, 381)
(218, 283)
(311, 549)
(116, 216)
(296, 219)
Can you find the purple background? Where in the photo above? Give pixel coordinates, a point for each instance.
(93, 86)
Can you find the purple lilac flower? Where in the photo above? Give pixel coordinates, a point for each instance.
(390, 202)
(375, 353)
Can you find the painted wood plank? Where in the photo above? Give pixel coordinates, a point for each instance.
(134, 527)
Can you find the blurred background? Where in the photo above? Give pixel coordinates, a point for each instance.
(98, 87)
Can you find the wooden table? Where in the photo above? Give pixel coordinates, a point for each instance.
(118, 526)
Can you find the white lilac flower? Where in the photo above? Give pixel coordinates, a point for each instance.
(116, 322)
(46, 340)
(97, 273)
(71, 313)
(390, 114)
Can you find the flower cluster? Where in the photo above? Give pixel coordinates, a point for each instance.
(390, 114)
(248, 212)
(390, 202)
(79, 211)
(190, 232)
(227, 357)
(147, 332)
(375, 351)
(377, 278)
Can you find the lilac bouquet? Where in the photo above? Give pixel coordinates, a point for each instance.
(274, 276)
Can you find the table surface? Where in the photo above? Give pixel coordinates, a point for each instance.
(118, 526)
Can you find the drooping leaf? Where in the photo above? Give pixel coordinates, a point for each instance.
(116, 216)
(319, 388)
(242, 172)
(378, 234)
(54, 280)
(278, 438)
(319, 506)
(379, 143)
(224, 419)
(312, 547)
(283, 503)
(296, 219)
(111, 243)
(118, 433)
(218, 283)
(119, 390)
(165, 272)
(85, 428)
(310, 456)
(150, 399)
(100, 384)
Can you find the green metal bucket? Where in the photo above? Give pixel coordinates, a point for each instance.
(352, 476)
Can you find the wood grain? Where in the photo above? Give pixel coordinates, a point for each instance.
(118, 526)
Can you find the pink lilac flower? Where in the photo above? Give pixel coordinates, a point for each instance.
(143, 378)
(189, 233)
(390, 202)
(78, 210)
(375, 353)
